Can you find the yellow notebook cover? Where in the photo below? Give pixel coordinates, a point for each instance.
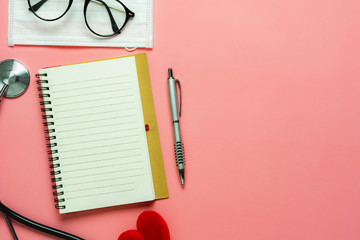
(153, 140)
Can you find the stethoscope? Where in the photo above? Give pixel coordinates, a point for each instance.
(14, 80)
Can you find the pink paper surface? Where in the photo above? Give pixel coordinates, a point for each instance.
(270, 124)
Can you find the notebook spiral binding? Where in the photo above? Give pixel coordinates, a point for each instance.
(51, 145)
(179, 153)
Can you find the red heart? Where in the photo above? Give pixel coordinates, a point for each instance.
(130, 235)
(150, 226)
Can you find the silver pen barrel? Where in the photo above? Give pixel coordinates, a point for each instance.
(179, 148)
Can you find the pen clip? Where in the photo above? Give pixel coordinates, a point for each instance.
(177, 81)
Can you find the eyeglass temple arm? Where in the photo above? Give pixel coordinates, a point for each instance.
(38, 5)
(21, 219)
(96, 1)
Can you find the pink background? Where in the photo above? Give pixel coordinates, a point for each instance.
(271, 124)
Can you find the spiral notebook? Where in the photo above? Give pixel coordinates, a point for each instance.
(102, 133)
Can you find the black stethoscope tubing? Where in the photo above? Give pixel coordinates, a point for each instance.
(30, 223)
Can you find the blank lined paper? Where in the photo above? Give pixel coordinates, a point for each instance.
(100, 135)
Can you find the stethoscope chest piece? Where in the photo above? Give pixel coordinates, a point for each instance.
(14, 78)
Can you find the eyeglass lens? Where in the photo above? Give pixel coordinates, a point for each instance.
(105, 17)
(49, 9)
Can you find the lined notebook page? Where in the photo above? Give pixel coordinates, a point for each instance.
(100, 134)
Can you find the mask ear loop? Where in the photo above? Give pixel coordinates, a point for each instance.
(130, 49)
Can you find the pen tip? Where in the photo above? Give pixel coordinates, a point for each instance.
(170, 72)
(182, 176)
(182, 181)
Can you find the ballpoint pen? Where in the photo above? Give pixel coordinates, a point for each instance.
(179, 147)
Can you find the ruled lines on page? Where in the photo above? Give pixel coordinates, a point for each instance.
(100, 134)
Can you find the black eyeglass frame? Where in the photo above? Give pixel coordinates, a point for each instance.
(128, 14)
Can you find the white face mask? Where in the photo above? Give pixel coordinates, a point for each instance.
(24, 28)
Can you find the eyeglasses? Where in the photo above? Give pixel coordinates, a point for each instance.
(102, 17)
